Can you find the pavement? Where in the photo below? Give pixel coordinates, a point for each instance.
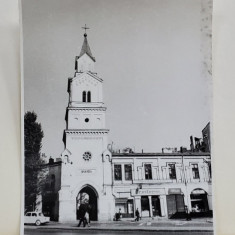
(148, 224)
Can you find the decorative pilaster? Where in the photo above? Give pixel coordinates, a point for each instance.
(150, 206)
(163, 205)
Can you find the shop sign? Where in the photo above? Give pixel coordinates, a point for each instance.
(198, 191)
(174, 191)
(146, 192)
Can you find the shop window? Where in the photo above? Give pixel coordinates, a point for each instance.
(195, 171)
(83, 96)
(128, 172)
(199, 201)
(125, 207)
(148, 171)
(117, 172)
(172, 172)
(145, 206)
(156, 207)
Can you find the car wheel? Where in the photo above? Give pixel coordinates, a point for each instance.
(38, 222)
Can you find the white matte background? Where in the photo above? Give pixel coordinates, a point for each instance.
(224, 116)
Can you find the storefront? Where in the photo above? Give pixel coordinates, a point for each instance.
(146, 207)
(175, 202)
(125, 206)
(150, 202)
(199, 201)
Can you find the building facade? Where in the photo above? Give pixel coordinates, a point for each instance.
(161, 184)
(158, 184)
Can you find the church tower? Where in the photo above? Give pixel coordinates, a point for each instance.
(86, 163)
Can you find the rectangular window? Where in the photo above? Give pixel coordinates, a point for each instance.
(195, 171)
(128, 172)
(172, 172)
(209, 170)
(148, 171)
(117, 172)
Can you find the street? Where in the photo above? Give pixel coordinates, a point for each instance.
(38, 231)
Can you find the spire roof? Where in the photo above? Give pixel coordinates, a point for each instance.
(86, 49)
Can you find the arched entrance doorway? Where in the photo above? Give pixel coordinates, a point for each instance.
(87, 198)
(199, 200)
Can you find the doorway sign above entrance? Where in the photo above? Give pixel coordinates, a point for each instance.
(174, 191)
(146, 192)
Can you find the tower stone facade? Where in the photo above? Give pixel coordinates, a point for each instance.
(86, 161)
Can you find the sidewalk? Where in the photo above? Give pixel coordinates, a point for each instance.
(205, 224)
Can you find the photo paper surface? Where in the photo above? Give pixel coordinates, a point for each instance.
(117, 116)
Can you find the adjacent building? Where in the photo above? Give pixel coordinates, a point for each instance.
(161, 184)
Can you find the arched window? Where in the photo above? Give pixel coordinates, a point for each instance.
(83, 96)
(88, 96)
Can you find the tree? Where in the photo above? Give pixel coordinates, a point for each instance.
(33, 135)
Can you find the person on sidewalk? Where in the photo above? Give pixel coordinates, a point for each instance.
(87, 219)
(188, 214)
(82, 219)
(118, 215)
(137, 214)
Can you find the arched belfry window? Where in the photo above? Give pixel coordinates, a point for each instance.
(83, 96)
(88, 96)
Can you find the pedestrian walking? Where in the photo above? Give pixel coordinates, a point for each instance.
(87, 219)
(137, 214)
(120, 214)
(82, 219)
(188, 214)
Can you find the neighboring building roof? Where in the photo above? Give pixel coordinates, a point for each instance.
(188, 154)
(86, 49)
(51, 164)
(206, 127)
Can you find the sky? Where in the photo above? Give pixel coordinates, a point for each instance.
(149, 54)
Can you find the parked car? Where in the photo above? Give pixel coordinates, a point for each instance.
(36, 218)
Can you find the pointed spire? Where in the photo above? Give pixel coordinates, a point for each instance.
(86, 49)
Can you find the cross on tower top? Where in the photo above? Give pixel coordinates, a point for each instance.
(85, 28)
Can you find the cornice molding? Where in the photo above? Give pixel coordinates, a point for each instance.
(87, 131)
(87, 109)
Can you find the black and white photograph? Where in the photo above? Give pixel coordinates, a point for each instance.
(116, 110)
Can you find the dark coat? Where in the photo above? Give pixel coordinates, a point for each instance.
(137, 213)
